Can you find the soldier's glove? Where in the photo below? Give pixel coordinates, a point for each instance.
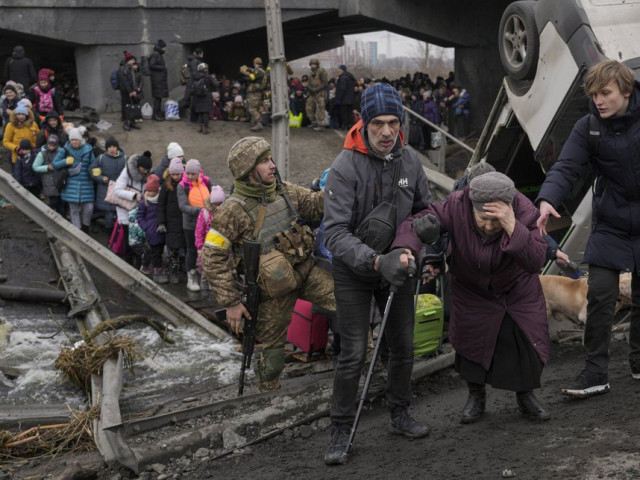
(427, 228)
(161, 228)
(391, 269)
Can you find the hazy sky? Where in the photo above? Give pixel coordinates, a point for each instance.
(394, 45)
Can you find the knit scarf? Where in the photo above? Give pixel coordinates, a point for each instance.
(255, 190)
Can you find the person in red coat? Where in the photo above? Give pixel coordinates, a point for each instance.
(498, 323)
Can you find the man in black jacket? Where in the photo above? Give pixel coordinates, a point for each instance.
(345, 95)
(614, 243)
(20, 69)
(159, 84)
(372, 167)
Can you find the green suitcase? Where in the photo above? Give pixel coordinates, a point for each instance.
(429, 323)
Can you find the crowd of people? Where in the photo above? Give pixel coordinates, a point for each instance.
(377, 215)
(316, 100)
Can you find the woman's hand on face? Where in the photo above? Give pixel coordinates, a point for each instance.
(502, 212)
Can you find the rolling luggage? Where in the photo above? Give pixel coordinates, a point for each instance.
(428, 330)
(429, 323)
(307, 330)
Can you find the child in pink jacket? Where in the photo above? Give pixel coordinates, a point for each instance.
(204, 223)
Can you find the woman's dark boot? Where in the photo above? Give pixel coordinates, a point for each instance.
(474, 408)
(531, 407)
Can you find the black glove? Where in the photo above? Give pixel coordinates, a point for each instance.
(391, 269)
(161, 228)
(427, 228)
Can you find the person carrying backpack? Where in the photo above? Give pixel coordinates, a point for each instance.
(201, 100)
(45, 98)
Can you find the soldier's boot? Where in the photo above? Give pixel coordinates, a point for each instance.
(269, 367)
(257, 127)
(204, 283)
(205, 130)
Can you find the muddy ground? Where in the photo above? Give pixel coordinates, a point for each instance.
(586, 440)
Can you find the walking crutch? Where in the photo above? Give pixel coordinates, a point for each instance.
(392, 290)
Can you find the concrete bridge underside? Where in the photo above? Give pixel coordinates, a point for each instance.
(88, 38)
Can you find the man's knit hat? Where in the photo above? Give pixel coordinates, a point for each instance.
(174, 150)
(161, 43)
(176, 166)
(491, 187)
(193, 166)
(53, 139)
(238, 99)
(380, 99)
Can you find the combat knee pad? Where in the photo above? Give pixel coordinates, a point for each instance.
(269, 366)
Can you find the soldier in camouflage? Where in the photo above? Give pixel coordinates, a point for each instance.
(263, 209)
(254, 78)
(317, 99)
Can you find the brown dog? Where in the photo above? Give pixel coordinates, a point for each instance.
(567, 298)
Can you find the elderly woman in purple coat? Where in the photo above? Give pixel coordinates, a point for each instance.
(498, 322)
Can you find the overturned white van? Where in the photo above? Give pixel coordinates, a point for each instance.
(546, 46)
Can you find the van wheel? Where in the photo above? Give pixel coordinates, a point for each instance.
(518, 43)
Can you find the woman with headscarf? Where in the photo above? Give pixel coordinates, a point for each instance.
(498, 322)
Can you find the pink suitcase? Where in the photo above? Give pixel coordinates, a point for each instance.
(307, 331)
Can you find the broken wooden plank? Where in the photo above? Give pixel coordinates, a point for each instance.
(150, 293)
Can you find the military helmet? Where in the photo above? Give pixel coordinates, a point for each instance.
(314, 60)
(244, 154)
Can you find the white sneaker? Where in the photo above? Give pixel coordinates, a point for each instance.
(192, 281)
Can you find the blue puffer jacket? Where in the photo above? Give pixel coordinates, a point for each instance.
(79, 188)
(615, 228)
(106, 166)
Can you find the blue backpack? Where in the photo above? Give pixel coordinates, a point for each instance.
(114, 80)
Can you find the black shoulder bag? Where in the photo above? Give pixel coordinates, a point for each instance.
(378, 229)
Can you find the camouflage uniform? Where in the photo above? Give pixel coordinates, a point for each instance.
(317, 99)
(254, 77)
(234, 221)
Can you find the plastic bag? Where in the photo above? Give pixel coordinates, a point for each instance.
(147, 111)
(295, 121)
(171, 110)
(436, 139)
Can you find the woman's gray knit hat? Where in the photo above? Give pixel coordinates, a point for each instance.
(490, 187)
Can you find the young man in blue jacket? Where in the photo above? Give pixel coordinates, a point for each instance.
(614, 243)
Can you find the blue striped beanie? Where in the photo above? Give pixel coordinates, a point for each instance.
(380, 99)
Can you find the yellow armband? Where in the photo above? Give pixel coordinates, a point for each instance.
(217, 240)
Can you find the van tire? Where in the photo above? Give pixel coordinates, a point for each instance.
(518, 40)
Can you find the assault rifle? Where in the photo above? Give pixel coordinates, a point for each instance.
(251, 300)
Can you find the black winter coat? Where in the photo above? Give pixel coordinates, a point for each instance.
(158, 67)
(46, 130)
(345, 85)
(169, 214)
(615, 228)
(20, 69)
(202, 103)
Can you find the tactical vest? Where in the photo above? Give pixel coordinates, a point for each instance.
(279, 230)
